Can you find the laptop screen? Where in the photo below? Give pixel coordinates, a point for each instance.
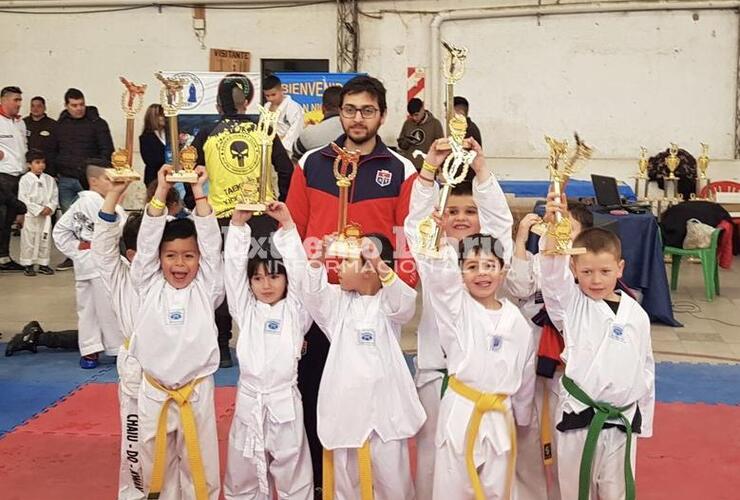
(607, 194)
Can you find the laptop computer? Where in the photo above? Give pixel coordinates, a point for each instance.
(607, 195)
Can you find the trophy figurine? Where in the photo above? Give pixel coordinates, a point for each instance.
(132, 100)
(453, 69)
(641, 179)
(671, 162)
(702, 164)
(348, 243)
(255, 198)
(453, 171)
(561, 169)
(172, 99)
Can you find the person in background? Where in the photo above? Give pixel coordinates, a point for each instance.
(40, 129)
(419, 131)
(462, 107)
(290, 118)
(152, 142)
(12, 167)
(80, 134)
(321, 134)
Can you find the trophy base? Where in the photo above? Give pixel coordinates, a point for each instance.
(671, 178)
(565, 251)
(428, 252)
(123, 176)
(444, 144)
(539, 229)
(345, 249)
(251, 207)
(183, 176)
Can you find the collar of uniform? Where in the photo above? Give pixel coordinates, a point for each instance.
(379, 151)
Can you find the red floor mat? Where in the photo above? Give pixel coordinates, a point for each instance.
(70, 451)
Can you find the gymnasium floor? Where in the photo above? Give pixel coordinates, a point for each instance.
(59, 427)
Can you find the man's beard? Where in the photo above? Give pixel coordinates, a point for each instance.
(367, 134)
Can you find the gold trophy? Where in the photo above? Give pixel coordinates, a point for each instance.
(172, 100)
(132, 100)
(671, 182)
(453, 171)
(255, 198)
(561, 169)
(453, 70)
(641, 179)
(702, 164)
(348, 242)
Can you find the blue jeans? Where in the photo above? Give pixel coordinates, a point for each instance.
(68, 189)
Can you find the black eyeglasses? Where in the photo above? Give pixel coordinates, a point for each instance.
(350, 111)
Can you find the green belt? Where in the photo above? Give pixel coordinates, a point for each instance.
(445, 381)
(603, 412)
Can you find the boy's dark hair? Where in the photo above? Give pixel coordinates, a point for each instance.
(10, 90)
(414, 105)
(73, 94)
(364, 83)
(39, 98)
(271, 82)
(460, 102)
(465, 188)
(178, 229)
(331, 99)
(383, 244)
(598, 240)
(581, 213)
(34, 154)
(172, 195)
(131, 231)
(480, 243)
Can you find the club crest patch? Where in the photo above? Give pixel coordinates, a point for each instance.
(383, 178)
(496, 342)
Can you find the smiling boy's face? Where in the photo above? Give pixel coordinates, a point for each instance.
(482, 274)
(462, 217)
(180, 260)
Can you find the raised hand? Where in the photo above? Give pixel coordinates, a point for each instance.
(240, 217)
(279, 211)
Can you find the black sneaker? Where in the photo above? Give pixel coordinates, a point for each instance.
(66, 265)
(33, 328)
(28, 271)
(21, 342)
(226, 361)
(12, 267)
(45, 270)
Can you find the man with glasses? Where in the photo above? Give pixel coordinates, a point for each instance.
(378, 202)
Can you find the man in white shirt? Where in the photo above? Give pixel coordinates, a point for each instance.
(12, 166)
(290, 117)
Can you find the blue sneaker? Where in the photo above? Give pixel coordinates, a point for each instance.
(89, 362)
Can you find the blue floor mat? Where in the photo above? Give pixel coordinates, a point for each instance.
(20, 401)
(697, 383)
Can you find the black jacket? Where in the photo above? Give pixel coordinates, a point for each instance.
(76, 140)
(152, 152)
(473, 131)
(40, 135)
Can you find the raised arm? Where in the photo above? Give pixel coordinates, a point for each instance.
(398, 300)
(236, 258)
(424, 197)
(209, 240)
(522, 280)
(106, 236)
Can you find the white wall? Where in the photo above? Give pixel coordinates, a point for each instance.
(622, 80)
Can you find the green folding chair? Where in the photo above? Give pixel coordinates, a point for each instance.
(709, 264)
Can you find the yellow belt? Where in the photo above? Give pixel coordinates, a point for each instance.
(180, 396)
(484, 403)
(366, 473)
(126, 343)
(546, 427)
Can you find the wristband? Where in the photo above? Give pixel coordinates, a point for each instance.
(157, 204)
(429, 167)
(198, 198)
(108, 217)
(388, 279)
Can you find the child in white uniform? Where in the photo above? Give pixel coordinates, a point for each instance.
(490, 359)
(97, 326)
(177, 272)
(609, 378)
(470, 207)
(267, 436)
(115, 274)
(38, 191)
(368, 407)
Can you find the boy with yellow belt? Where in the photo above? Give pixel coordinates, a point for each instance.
(178, 273)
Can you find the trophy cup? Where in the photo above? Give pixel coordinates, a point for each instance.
(255, 198)
(560, 172)
(348, 239)
(132, 100)
(641, 179)
(453, 171)
(702, 163)
(172, 100)
(671, 182)
(453, 70)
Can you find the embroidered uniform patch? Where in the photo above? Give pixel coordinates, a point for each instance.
(272, 326)
(495, 342)
(176, 316)
(618, 333)
(383, 178)
(366, 337)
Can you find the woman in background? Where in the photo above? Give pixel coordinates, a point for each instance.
(152, 142)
